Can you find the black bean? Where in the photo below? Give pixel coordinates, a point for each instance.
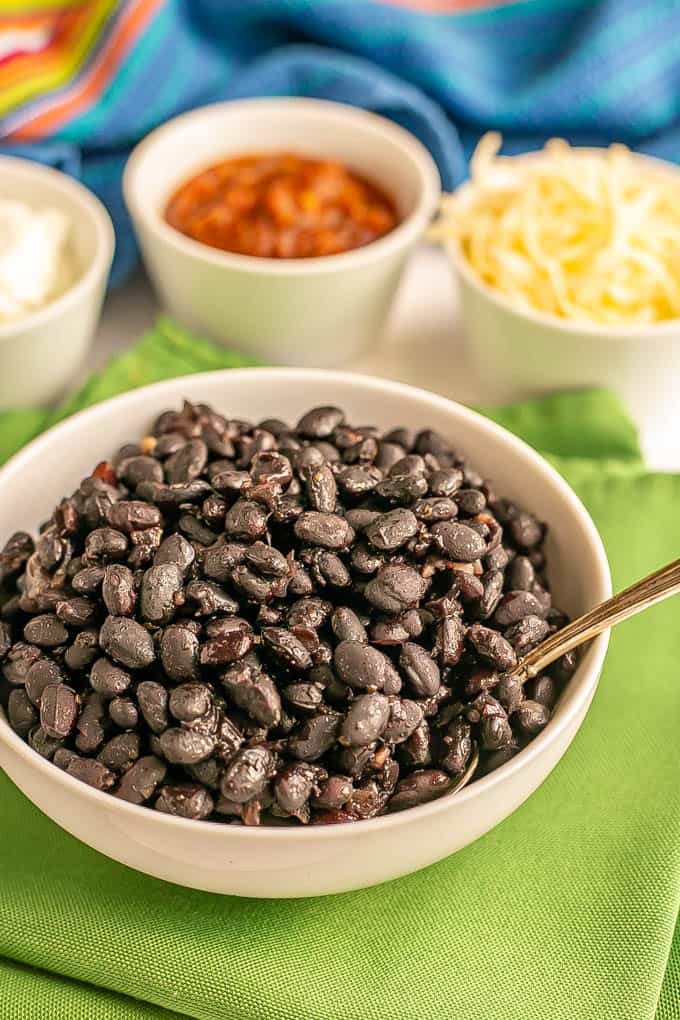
(470, 501)
(492, 581)
(526, 530)
(320, 422)
(347, 626)
(127, 642)
(396, 587)
(334, 792)
(247, 774)
(527, 633)
(105, 544)
(92, 772)
(246, 520)
(360, 517)
(359, 479)
(419, 670)
(543, 689)
(391, 530)
(88, 580)
(316, 736)
(152, 698)
(90, 731)
(140, 781)
(284, 646)
(365, 560)
(360, 666)
(532, 716)
(521, 574)
(450, 640)
(365, 721)
(118, 590)
(293, 786)
(123, 713)
(45, 631)
(510, 693)
(303, 697)
(492, 647)
(458, 743)
(323, 529)
(21, 712)
(402, 488)
(404, 717)
(173, 495)
(108, 680)
(186, 745)
(309, 612)
(179, 652)
(229, 647)
(120, 751)
(42, 672)
(419, 788)
(14, 555)
(186, 800)
(209, 598)
(160, 593)
(496, 733)
(133, 515)
(514, 606)
(266, 560)
(139, 468)
(190, 701)
(76, 611)
(175, 549)
(253, 691)
(321, 488)
(445, 482)
(186, 463)
(458, 541)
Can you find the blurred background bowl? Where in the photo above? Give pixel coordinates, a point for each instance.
(319, 311)
(319, 859)
(523, 353)
(42, 354)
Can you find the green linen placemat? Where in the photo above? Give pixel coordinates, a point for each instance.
(566, 911)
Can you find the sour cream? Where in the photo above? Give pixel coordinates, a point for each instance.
(35, 264)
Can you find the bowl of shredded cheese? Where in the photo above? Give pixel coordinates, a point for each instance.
(568, 261)
(56, 246)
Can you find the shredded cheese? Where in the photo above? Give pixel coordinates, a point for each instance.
(581, 234)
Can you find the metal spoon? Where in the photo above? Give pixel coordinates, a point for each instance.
(640, 596)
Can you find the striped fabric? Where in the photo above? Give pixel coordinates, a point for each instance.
(82, 80)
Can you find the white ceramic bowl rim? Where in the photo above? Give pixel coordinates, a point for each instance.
(614, 331)
(104, 244)
(272, 379)
(292, 107)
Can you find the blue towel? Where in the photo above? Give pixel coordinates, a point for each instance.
(447, 70)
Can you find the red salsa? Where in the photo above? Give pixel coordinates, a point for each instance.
(281, 205)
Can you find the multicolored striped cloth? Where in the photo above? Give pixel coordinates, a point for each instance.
(82, 80)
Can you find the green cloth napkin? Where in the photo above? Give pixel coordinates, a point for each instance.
(566, 911)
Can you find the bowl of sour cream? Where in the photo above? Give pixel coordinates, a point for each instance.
(56, 247)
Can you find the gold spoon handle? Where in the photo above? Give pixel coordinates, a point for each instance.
(640, 596)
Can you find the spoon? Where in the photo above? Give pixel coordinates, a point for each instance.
(640, 596)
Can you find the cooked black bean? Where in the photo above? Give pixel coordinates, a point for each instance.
(321, 487)
(470, 501)
(365, 560)
(253, 691)
(186, 745)
(230, 646)
(347, 626)
(510, 692)
(532, 716)
(458, 743)
(303, 696)
(190, 701)
(266, 560)
(320, 422)
(323, 529)
(186, 800)
(45, 631)
(404, 717)
(133, 515)
(492, 647)
(90, 728)
(514, 606)
(527, 633)
(187, 463)
(173, 495)
(391, 530)
(419, 788)
(246, 520)
(359, 479)
(209, 598)
(247, 774)
(92, 772)
(160, 593)
(107, 679)
(543, 689)
(104, 544)
(309, 612)
(315, 737)
(521, 574)
(118, 590)
(21, 712)
(152, 698)
(334, 792)
(139, 783)
(450, 640)
(179, 652)
(359, 665)
(419, 669)
(402, 488)
(496, 733)
(286, 647)
(123, 712)
(525, 530)
(458, 541)
(120, 751)
(88, 580)
(365, 721)
(76, 611)
(293, 786)
(396, 587)
(127, 642)
(42, 672)
(139, 468)
(175, 549)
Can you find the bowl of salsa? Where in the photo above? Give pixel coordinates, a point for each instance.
(280, 226)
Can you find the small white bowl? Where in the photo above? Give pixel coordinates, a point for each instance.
(42, 354)
(311, 861)
(318, 311)
(524, 353)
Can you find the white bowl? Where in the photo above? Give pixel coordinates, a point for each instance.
(524, 353)
(318, 311)
(283, 862)
(42, 354)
